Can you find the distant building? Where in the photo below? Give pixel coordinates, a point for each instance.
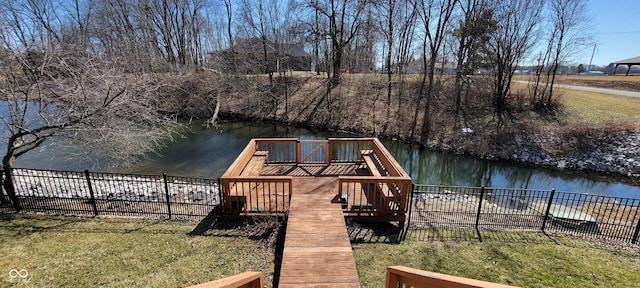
(250, 57)
(592, 73)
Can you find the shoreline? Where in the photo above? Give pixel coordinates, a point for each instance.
(618, 160)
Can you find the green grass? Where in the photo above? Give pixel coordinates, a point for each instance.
(540, 263)
(72, 252)
(82, 252)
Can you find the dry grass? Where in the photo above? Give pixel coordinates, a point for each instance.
(591, 109)
(599, 109)
(82, 252)
(531, 262)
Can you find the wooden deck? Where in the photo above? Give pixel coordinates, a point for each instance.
(317, 250)
(317, 183)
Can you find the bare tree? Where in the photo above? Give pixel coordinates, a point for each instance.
(517, 23)
(567, 34)
(388, 11)
(435, 16)
(343, 18)
(64, 94)
(472, 34)
(396, 23)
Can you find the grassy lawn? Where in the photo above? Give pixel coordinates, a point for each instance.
(595, 108)
(80, 252)
(525, 261)
(589, 108)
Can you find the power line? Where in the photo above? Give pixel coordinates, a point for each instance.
(619, 32)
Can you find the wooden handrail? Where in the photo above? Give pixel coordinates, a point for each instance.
(280, 140)
(387, 159)
(241, 161)
(258, 178)
(395, 185)
(400, 276)
(365, 178)
(242, 280)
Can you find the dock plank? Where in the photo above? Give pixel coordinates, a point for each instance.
(317, 250)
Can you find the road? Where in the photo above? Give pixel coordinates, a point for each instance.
(596, 90)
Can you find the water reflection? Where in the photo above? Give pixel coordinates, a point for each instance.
(439, 168)
(207, 153)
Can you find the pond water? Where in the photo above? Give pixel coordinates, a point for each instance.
(206, 153)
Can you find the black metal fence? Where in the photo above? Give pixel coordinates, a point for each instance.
(109, 194)
(439, 208)
(491, 209)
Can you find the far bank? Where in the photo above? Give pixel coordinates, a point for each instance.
(587, 132)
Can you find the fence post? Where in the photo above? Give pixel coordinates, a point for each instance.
(9, 188)
(408, 222)
(634, 240)
(546, 214)
(220, 192)
(3, 200)
(93, 198)
(478, 215)
(166, 192)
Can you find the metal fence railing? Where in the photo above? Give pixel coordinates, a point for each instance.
(432, 207)
(480, 208)
(109, 194)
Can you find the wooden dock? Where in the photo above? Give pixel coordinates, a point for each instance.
(316, 184)
(317, 250)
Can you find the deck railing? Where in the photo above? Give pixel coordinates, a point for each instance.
(375, 198)
(400, 276)
(242, 280)
(383, 195)
(256, 195)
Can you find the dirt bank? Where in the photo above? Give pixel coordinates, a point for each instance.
(362, 105)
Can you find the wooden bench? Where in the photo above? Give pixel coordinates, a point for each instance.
(388, 190)
(256, 163)
(238, 203)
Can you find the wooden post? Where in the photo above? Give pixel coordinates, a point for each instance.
(393, 280)
(298, 151)
(327, 152)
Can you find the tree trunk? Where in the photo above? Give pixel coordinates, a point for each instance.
(426, 119)
(337, 65)
(418, 100)
(388, 64)
(7, 184)
(213, 121)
